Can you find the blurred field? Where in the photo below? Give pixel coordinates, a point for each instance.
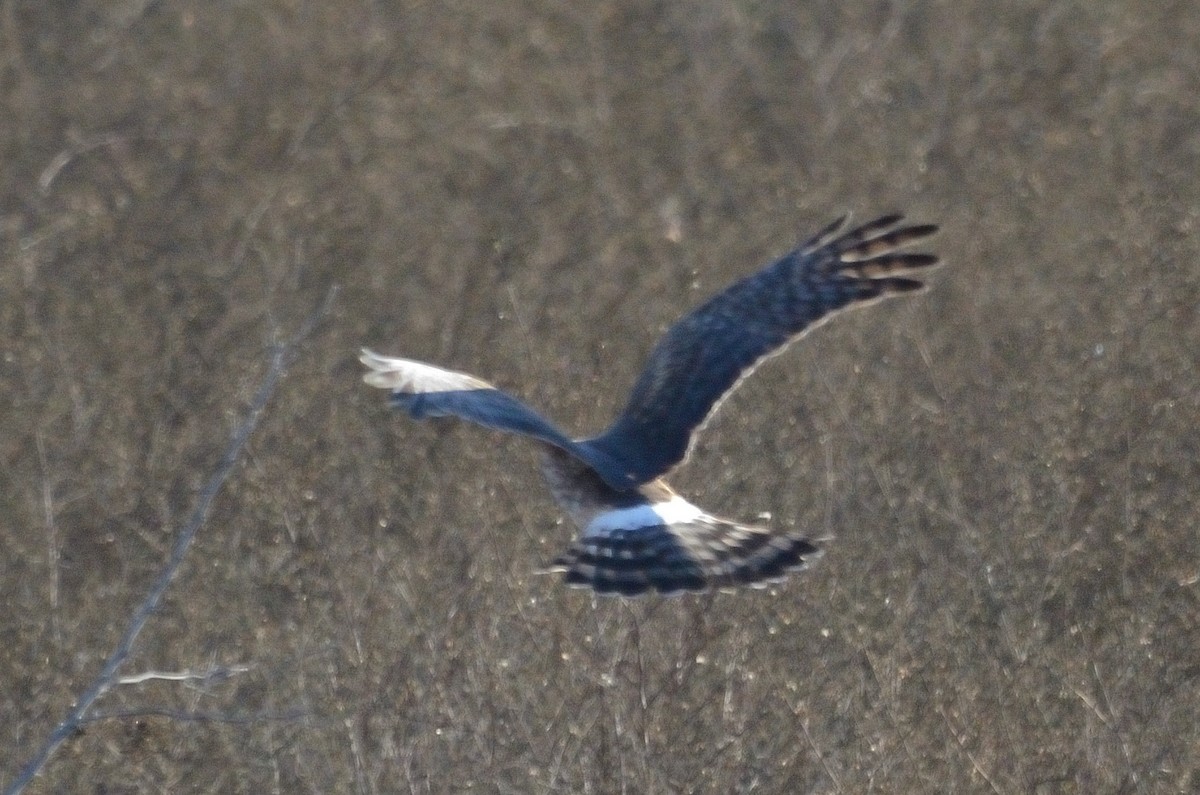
(1007, 464)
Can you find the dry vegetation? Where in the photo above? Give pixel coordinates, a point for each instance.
(1008, 464)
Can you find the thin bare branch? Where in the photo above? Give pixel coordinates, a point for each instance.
(281, 355)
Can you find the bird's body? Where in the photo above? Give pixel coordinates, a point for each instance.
(637, 534)
(649, 537)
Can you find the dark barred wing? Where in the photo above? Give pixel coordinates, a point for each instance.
(703, 356)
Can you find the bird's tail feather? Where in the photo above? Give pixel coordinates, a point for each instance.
(694, 556)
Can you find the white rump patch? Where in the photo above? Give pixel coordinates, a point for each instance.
(676, 510)
(415, 378)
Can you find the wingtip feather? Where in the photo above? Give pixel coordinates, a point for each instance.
(827, 232)
(382, 370)
(899, 284)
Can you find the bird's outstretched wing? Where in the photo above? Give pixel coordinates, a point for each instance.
(424, 390)
(703, 356)
(427, 391)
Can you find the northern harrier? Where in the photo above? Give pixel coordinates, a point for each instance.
(637, 534)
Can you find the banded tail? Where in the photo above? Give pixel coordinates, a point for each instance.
(693, 556)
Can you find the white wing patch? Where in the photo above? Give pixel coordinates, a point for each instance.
(415, 378)
(676, 510)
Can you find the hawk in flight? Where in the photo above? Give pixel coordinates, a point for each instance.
(636, 533)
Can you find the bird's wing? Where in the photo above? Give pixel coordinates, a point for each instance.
(703, 356)
(427, 391)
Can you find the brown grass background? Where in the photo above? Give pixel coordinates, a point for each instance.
(533, 192)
